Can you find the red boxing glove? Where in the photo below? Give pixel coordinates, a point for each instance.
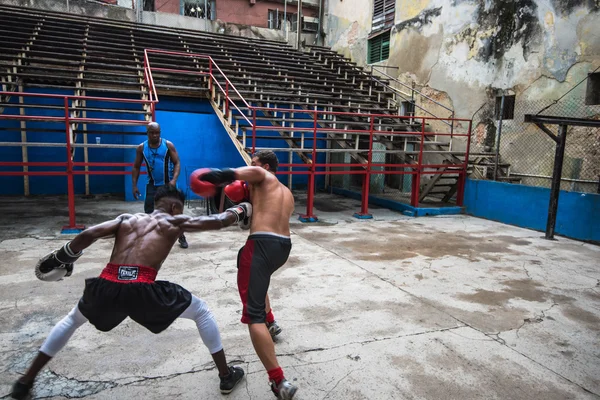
(237, 191)
(201, 188)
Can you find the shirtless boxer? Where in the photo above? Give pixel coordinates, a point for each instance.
(127, 286)
(266, 250)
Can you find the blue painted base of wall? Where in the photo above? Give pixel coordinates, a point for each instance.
(527, 206)
(405, 209)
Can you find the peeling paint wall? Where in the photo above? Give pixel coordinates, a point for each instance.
(461, 53)
(466, 49)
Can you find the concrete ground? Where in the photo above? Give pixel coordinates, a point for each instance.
(449, 307)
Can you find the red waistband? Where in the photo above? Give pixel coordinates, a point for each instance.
(128, 273)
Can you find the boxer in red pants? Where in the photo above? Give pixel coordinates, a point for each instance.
(265, 251)
(127, 286)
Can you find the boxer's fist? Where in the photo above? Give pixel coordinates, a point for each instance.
(237, 191)
(218, 177)
(200, 187)
(243, 212)
(56, 265)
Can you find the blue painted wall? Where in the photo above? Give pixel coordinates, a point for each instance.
(527, 206)
(199, 137)
(55, 133)
(190, 124)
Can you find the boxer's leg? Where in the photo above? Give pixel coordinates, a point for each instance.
(149, 198)
(56, 340)
(199, 312)
(274, 328)
(256, 264)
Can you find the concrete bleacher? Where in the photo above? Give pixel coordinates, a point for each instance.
(48, 50)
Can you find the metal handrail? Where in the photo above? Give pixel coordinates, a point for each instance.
(373, 68)
(416, 105)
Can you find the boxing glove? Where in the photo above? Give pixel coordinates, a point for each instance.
(243, 212)
(237, 191)
(57, 264)
(218, 177)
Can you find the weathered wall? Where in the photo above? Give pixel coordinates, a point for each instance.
(460, 51)
(171, 18)
(242, 12)
(80, 7)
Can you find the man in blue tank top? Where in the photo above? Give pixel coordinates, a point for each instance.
(162, 165)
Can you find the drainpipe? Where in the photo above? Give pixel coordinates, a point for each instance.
(285, 28)
(299, 30)
(319, 24)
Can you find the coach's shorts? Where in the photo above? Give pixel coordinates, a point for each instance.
(262, 255)
(124, 291)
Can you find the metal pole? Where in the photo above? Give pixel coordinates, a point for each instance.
(556, 175)
(205, 16)
(319, 23)
(364, 208)
(498, 138)
(462, 177)
(285, 28)
(67, 5)
(70, 186)
(299, 22)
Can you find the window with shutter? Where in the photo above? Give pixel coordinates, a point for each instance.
(384, 12)
(379, 48)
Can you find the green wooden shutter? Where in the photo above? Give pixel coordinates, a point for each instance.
(379, 48)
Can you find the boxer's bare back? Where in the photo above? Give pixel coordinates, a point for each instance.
(147, 239)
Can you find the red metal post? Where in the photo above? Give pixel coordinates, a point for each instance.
(253, 131)
(310, 197)
(462, 177)
(364, 208)
(70, 186)
(416, 181)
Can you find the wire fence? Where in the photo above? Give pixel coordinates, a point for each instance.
(508, 149)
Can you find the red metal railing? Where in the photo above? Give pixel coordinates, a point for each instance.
(366, 169)
(69, 164)
(233, 100)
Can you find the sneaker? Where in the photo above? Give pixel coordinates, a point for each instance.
(20, 390)
(274, 329)
(183, 242)
(228, 382)
(284, 391)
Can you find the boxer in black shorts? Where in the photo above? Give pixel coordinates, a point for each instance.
(266, 250)
(127, 286)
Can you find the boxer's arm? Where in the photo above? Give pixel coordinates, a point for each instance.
(205, 223)
(103, 230)
(251, 175)
(176, 162)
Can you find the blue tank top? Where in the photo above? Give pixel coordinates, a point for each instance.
(158, 163)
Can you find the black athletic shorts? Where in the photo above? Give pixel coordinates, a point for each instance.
(131, 291)
(263, 254)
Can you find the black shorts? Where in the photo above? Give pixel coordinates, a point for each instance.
(130, 291)
(263, 254)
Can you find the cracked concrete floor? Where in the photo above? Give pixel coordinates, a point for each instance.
(448, 307)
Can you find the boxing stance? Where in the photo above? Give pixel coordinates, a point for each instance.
(266, 250)
(127, 286)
